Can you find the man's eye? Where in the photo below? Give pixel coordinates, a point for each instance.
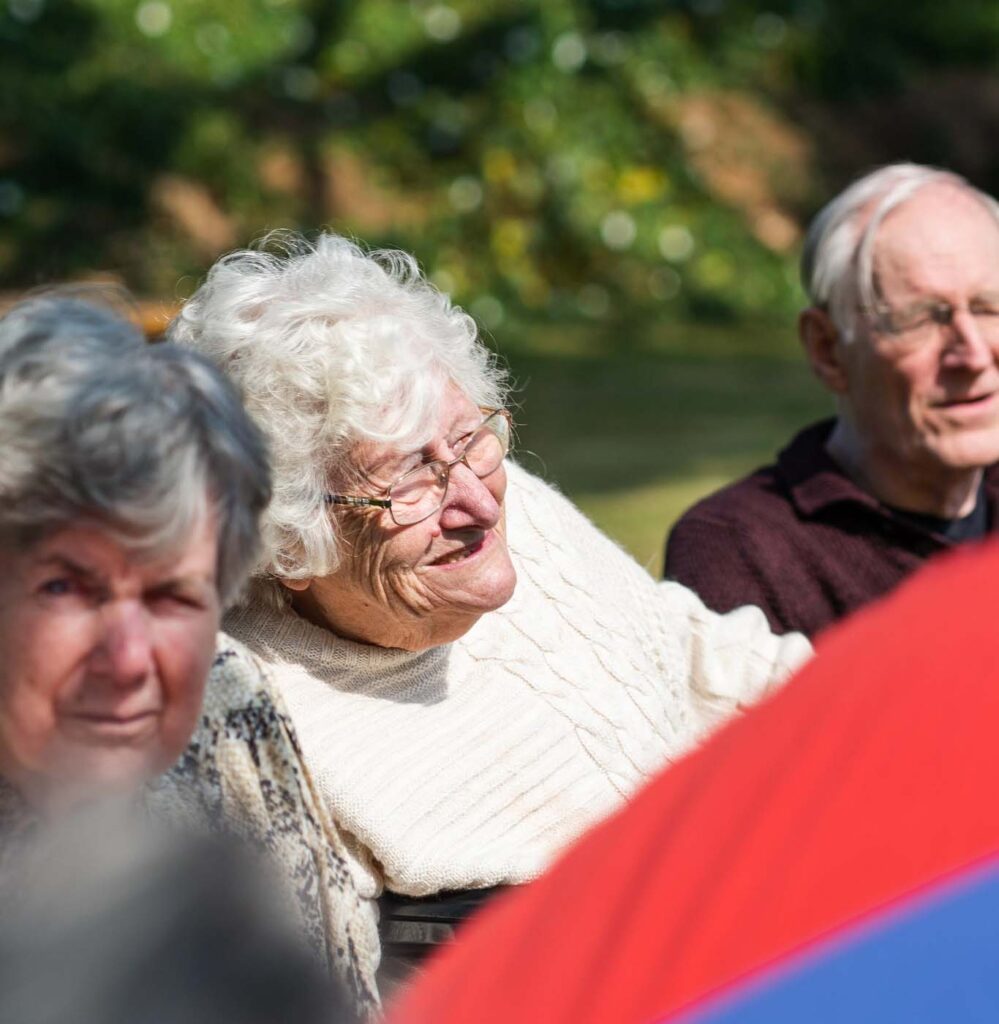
(919, 315)
(985, 307)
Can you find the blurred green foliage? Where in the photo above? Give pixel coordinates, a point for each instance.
(577, 160)
(636, 435)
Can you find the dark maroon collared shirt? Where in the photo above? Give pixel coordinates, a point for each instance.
(801, 540)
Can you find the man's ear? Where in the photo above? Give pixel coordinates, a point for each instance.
(824, 347)
(298, 585)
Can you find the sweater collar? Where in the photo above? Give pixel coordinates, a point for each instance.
(286, 636)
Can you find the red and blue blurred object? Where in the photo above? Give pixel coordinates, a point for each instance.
(831, 855)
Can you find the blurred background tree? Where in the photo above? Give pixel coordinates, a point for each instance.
(616, 189)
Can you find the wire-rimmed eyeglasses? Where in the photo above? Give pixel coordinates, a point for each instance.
(922, 320)
(418, 494)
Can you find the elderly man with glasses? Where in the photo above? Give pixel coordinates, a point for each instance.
(902, 270)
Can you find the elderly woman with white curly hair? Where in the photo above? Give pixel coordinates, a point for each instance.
(477, 674)
(131, 488)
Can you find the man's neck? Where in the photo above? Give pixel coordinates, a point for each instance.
(942, 492)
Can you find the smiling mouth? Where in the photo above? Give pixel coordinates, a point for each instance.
(972, 400)
(461, 555)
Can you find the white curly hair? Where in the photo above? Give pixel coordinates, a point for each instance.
(331, 345)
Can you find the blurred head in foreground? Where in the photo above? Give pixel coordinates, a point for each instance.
(131, 486)
(114, 921)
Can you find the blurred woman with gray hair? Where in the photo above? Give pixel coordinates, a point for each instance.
(477, 674)
(131, 487)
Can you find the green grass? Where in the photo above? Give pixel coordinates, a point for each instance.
(635, 428)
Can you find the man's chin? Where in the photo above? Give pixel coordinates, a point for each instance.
(969, 451)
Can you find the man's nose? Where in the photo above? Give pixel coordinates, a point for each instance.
(124, 651)
(969, 346)
(470, 501)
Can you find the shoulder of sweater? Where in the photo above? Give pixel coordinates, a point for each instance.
(575, 582)
(544, 526)
(234, 655)
(238, 678)
(524, 487)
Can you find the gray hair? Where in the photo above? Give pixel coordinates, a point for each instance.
(331, 346)
(143, 439)
(837, 260)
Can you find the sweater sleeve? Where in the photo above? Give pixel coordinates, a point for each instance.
(734, 659)
(707, 665)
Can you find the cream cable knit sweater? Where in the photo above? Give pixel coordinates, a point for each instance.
(472, 764)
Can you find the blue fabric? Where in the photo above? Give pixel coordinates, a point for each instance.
(934, 958)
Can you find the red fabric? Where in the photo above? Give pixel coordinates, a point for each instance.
(868, 776)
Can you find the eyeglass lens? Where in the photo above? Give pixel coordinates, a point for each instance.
(927, 318)
(421, 492)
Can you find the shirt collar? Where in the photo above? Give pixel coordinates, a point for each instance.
(815, 480)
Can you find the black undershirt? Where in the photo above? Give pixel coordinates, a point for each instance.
(973, 526)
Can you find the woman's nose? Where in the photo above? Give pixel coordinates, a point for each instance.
(472, 501)
(124, 652)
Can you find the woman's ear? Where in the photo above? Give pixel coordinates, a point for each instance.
(823, 345)
(297, 585)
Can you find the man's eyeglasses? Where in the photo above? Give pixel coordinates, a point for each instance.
(418, 494)
(924, 320)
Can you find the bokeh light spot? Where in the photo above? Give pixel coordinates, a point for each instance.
(593, 301)
(618, 230)
(153, 18)
(465, 193)
(25, 11)
(442, 23)
(488, 310)
(676, 243)
(569, 52)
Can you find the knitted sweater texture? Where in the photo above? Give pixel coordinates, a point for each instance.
(472, 764)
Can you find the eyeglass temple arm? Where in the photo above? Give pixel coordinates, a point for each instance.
(347, 499)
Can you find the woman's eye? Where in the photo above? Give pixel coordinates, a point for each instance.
(175, 599)
(459, 446)
(58, 587)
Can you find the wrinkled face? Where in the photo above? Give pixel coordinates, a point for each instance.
(104, 660)
(416, 586)
(932, 405)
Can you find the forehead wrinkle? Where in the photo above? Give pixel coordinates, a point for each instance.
(57, 558)
(129, 561)
(385, 469)
(382, 469)
(938, 250)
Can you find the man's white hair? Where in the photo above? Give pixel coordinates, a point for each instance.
(331, 346)
(837, 260)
